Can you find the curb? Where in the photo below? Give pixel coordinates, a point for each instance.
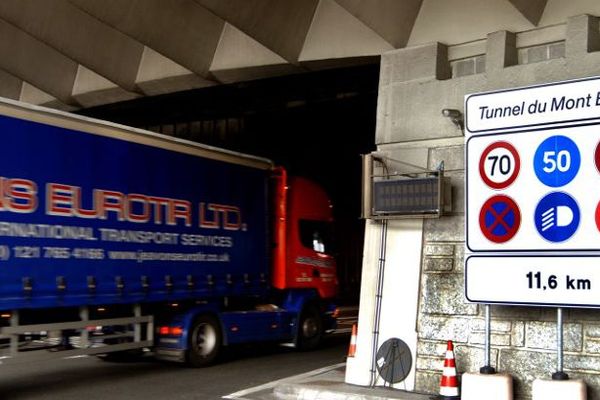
(293, 391)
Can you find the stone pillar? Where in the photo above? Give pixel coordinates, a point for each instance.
(426, 62)
(583, 36)
(398, 119)
(501, 51)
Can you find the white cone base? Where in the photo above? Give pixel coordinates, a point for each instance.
(559, 390)
(488, 387)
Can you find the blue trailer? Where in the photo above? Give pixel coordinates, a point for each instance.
(114, 239)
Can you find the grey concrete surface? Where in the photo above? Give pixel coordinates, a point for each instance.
(143, 378)
(329, 385)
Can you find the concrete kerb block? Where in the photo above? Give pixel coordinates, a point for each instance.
(546, 389)
(477, 386)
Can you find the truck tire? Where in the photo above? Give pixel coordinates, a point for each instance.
(310, 329)
(205, 340)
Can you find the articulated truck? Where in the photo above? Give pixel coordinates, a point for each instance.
(114, 239)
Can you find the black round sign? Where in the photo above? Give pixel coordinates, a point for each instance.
(394, 360)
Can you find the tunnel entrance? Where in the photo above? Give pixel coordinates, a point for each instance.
(316, 124)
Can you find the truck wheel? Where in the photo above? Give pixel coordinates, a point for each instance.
(205, 341)
(310, 329)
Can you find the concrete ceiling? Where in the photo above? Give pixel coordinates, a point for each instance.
(73, 54)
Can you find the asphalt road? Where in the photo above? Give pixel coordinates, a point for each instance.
(143, 378)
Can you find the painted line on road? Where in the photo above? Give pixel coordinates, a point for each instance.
(345, 330)
(239, 395)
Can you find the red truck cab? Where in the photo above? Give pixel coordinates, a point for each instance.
(303, 229)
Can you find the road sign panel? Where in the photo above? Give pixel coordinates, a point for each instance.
(534, 280)
(556, 161)
(499, 219)
(572, 102)
(499, 165)
(528, 190)
(532, 166)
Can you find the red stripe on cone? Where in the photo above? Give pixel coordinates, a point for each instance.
(449, 381)
(450, 363)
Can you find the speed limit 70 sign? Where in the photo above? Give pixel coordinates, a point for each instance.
(499, 165)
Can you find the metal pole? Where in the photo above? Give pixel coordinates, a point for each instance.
(137, 327)
(14, 338)
(378, 298)
(84, 315)
(487, 368)
(559, 375)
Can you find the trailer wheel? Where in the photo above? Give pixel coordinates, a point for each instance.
(205, 341)
(310, 328)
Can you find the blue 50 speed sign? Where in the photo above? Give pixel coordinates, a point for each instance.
(556, 161)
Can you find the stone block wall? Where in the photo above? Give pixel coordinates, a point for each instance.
(415, 85)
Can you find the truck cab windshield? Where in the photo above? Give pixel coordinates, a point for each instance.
(317, 235)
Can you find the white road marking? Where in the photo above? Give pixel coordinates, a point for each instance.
(239, 395)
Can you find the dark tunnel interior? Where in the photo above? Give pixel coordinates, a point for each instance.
(315, 124)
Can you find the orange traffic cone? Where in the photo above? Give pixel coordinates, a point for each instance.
(352, 348)
(449, 383)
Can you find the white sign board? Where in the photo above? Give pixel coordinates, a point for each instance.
(533, 107)
(532, 173)
(542, 280)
